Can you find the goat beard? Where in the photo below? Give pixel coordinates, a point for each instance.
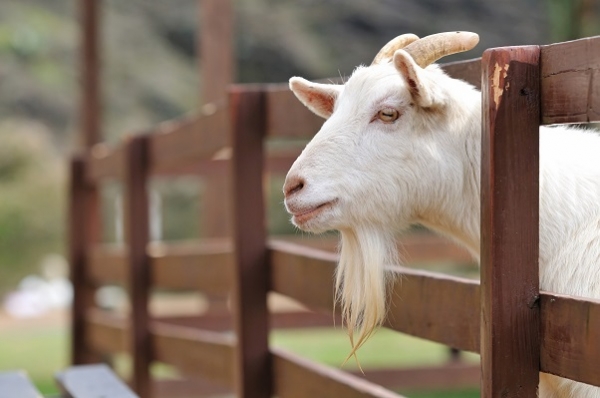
(362, 281)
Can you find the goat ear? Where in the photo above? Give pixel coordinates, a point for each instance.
(422, 89)
(319, 98)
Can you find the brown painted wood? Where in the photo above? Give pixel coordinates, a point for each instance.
(469, 71)
(571, 81)
(107, 263)
(84, 230)
(191, 387)
(195, 352)
(509, 222)
(296, 377)
(89, 52)
(105, 162)
(216, 42)
(137, 238)
(287, 117)
(304, 274)
(249, 236)
(182, 142)
(424, 304)
(443, 377)
(205, 265)
(106, 333)
(436, 307)
(569, 331)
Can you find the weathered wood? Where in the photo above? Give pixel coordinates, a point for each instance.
(17, 384)
(569, 334)
(469, 71)
(296, 377)
(84, 226)
(137, 238)
(89, 51)
(509, 222)
(570, 81)
(195, 352)
(94, 381)
(249, 299)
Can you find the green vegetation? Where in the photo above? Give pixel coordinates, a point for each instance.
(32, 182)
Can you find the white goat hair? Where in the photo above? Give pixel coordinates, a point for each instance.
(401, 146)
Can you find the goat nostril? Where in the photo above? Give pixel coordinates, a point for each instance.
(294, 185)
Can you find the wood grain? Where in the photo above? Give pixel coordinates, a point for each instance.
(570, 81)
(569, 333)
(509, 222)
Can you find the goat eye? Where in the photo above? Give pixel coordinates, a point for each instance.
(388, 115)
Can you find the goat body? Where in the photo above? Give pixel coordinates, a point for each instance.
(401, 145)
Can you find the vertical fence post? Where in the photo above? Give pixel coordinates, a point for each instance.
(84, 229)
(253, 373)
(510, 344)
(137, 227)
(216, 41)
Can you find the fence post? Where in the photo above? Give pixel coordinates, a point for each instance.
(137, 233)
(510, 342)
(84, 230)
(253, 373)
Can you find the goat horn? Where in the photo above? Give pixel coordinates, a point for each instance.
(395, 44)
(429, 49)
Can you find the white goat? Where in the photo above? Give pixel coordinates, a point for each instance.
(401, 146)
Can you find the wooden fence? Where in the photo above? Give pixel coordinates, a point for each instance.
(518, 330)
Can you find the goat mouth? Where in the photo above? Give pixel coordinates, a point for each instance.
(301, 217)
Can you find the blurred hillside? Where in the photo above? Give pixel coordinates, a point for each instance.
(150, 74)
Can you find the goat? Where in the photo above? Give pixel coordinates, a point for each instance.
(401, 145)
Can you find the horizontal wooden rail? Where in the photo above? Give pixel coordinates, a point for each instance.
(296, 377)
(204, 265)
(105, 161)
(452, 375)
(445, 309)
(193, 351)
(570, 85)
(177, 143)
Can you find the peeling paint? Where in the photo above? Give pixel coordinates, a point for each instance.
(498, 76)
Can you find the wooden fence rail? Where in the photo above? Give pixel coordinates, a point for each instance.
(518, 330)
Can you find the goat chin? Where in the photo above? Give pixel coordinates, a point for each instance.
(362, 281)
